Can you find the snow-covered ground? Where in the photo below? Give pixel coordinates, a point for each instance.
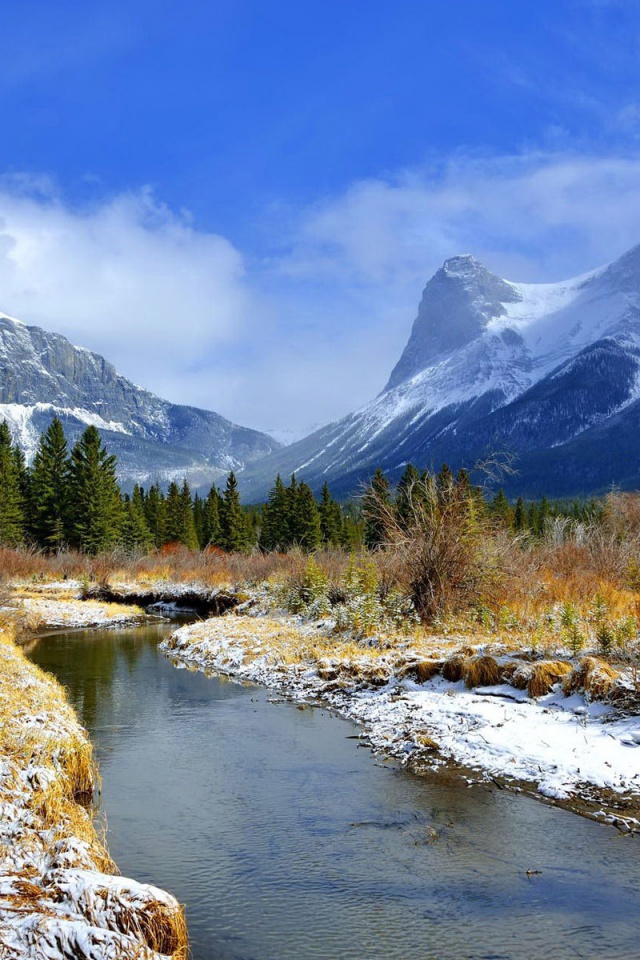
(567, 747)
(59, 899)
(51, 612)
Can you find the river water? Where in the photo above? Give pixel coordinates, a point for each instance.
(287, 840)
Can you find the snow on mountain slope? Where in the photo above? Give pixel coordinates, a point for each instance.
(42, 374)
(465, 384)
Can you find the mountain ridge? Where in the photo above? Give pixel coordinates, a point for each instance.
(497, 366)
(43, 374)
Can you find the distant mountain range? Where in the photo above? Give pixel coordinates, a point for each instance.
(546, 372)
(549, 373)
(42, 374)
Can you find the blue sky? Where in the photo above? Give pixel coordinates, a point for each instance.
(240, 202)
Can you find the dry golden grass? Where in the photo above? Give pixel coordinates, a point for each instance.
(211, 567)
(593, 677)
(453, 669)
(545, 675)
(540, 677)
(423, 670)
(481, 671)
(33, 614)
(53, 776)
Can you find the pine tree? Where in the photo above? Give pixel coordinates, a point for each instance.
(274, 532)
(544, 514)
(375, 502)
(24, 477)
(519, 519)
(234, 533)
(189, 536)
(211, 531)
(445, 483)
(95, 501)
(331, 524)
(501, 508)
(174, 523)
(293, 532)
(135, 533)
(155, 510)
(49, 489)
(307, 519)
(11, 503)
(198, 518)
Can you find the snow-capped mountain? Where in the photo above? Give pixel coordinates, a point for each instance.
(548, 372)
(43, 374)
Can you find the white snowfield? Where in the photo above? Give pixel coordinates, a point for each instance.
(19, 416)
(565, 746)
(520, 341)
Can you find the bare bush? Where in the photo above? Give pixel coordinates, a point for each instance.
(444, 549)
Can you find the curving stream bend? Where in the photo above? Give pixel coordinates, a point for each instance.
(286, 841)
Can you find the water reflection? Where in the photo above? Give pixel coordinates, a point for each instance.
(287, 840)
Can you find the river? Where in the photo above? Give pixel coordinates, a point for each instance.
(287, 840)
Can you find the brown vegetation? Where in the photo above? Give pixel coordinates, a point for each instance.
(49, 773)
(540, 677)
(594, 677)
(481, 671)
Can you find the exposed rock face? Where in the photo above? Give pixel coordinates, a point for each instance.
(548, 372)
(456, 306)
(43, 374)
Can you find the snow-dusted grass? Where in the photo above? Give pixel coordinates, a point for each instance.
(40, 612)
(568, 746)
(59, 896)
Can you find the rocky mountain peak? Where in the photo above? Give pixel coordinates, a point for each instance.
(457, 303)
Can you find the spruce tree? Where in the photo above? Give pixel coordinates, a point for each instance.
(519, 519)
(198, 518)
(234, 533)
(331, 524)
(49, 489)
(501, 508)
(293, 532)
(155, 511)
(174, 527)
(11, 503)
(274, 532)
(544, 514)
(24, 477)
(135, 533)
(211, 531)
(307, 519)
(375, 502)
(95, 501)
(445, 484)
(180, 527)
(189, 536)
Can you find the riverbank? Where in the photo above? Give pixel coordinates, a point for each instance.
(60, 895)
(556, 725)
(34, 607)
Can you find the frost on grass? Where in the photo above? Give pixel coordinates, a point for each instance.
(59, 896)
(37, 613)
(527, 722)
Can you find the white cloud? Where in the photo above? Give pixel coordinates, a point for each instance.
(127, 278)
(312, 329)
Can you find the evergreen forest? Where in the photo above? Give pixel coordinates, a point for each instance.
(69, 498)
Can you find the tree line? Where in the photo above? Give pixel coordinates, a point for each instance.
(381, 504)
(72, 499)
